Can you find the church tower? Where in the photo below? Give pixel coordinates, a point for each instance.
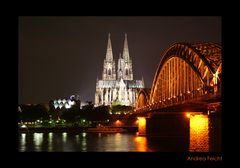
(109, 72)
(121, 66)
(127, 70)
(117, 86)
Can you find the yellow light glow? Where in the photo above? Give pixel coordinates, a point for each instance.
(188, 115)
(141, 144)
(142, 125)
(199, 138)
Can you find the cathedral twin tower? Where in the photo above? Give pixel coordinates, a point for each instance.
(117, 87)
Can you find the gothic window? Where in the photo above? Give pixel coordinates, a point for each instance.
(109, 71)
(126, 72)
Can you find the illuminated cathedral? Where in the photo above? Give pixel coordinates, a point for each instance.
(117, 85)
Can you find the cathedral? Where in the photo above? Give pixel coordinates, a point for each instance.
(117, 86)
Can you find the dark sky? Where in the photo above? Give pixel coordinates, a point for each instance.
(61, 56)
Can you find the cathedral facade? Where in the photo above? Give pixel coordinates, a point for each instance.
(117, 85)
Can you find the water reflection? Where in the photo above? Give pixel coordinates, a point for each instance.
(77, 139)
(199, 133)
(199, 139)
(38, 139)
(84, 142)
(23, 142)
(50, 139)
(64, 137)
(84, 134)
(141, 143)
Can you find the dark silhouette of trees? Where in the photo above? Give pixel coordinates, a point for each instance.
(71, 114)
(120, 109)
(33, 112)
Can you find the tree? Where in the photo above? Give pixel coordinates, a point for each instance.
(33, 112)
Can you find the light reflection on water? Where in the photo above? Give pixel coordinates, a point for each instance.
(84, 142)
(64, 137)
(22, 142)
(199, 133)
(38, 139)
(50, 139)
(199, 141)
(141, 143)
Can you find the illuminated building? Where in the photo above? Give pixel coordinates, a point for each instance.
(65, 103)
(117, 86)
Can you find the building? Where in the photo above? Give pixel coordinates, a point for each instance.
(117, 86)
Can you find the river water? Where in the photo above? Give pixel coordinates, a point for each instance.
(202, 138)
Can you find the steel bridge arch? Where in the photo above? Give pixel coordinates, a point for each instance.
(205, 59)
(143, 97)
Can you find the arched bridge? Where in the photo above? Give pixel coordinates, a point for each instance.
(188, 75)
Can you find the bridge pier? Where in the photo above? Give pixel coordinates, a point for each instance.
(195, 132)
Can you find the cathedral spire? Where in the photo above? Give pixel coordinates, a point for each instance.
(109, 71)
(109, 54)
(125, 49)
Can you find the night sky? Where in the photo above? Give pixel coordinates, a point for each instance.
(61, 56)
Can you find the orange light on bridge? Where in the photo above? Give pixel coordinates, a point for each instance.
(142, 125)
(188, 115)
(118, 122)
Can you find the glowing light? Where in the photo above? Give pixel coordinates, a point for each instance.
(142, 125)
(23, 126)
(141, 143)
(199, 138)
(23, 142)
(55, 106)
(71, 102)
(50, 138)
(64, 136)
(59, 101)
(60, 105)
(67, 106)
(84, 134)
(38, 139)
(188, 115)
